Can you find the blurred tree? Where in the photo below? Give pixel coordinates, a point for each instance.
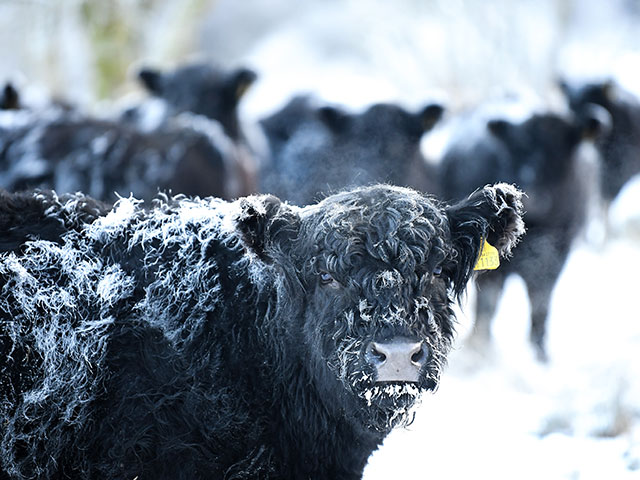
(81, 49)
(121, 32)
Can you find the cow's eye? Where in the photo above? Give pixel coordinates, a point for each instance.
(327, 279)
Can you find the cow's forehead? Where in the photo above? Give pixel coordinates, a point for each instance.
(392, 227)
(372, 203)
(197, 74)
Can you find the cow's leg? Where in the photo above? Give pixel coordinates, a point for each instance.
(489, 289)
(540, 274)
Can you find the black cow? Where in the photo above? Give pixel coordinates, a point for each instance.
(204, 339)
(205, 91)
(620, 145)
(541, 156)
(318, 150)
(202, 89)
(71, 152)
(280, 126)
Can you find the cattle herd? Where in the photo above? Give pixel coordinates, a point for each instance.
(177, 303)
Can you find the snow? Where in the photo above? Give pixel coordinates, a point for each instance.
(624, 213)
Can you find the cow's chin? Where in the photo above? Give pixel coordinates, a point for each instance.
(389, 405)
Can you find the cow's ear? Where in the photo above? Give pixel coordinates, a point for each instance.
(430, 115)
(239, 82)
(608, 89)
(151, 79)
(499, 128)
(267, 226)
(10, 99)
(490, 215)
(336, 119)
(564, 86)
(594, 121)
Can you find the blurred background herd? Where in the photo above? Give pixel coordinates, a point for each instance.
(303, 98)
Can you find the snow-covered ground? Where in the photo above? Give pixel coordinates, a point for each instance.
(497, 414)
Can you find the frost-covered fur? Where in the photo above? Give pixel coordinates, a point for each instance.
(25, 216)
(205, 339)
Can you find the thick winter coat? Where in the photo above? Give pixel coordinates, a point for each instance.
(204, 339)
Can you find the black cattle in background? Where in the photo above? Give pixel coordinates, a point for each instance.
(300, 114)
(203, 339)
(70, 152)
(203, 90)
(318, 150)
(280, 126)
(541, 156)
(620, 146)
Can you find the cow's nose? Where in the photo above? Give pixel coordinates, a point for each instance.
(397, 360)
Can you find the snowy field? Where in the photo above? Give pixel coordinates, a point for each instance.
(498, 414)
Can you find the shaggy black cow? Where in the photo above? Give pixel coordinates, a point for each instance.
(541, 156)
(318, 150)
(205, 339)
(620, 145)
(70, 152)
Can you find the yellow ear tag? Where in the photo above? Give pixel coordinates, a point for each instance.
(489, 257)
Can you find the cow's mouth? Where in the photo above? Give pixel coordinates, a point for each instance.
(392, 393)
(389, 405)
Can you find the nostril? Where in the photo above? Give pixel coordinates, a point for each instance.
(376, 355)
(420, 355)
